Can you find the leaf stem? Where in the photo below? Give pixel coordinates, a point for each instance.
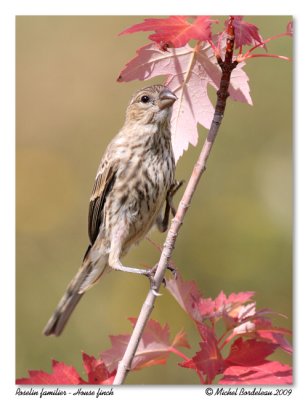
(180, 354)
(265, 55)
(248, 53)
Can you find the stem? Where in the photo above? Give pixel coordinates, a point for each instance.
(222, 94)
(180, 354)
(265, 55)
(224, 337)
(280, 35)
(248, 53)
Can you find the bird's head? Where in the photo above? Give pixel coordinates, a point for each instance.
(151, 105)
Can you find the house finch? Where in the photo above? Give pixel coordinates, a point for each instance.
(134, 180)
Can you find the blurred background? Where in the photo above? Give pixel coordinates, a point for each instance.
(237, 235)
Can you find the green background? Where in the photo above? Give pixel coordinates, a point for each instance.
(237, 235)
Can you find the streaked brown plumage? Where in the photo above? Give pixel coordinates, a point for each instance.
(131, 186)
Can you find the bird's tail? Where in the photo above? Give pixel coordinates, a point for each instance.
(85, 278)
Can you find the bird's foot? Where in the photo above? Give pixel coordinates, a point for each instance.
(150, 273)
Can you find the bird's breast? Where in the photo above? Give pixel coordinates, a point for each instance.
(139, 193)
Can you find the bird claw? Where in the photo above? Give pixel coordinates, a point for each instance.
(173, 270)
(174, 188)
(150, 274)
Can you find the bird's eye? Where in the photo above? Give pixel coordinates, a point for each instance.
(145, 99)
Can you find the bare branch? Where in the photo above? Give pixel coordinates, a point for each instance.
(222, 94)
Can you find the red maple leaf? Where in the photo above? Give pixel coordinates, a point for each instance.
(277, 336)
(97, 371)
(225, 306)
(252, 323)
(199, 308)
(210, 363)
(175, 31)
(208, 360)
(154, 347)
(63, 374)
(188, 71)
(256, 339)
(186, 294)
(269, 373)
(249, 352)
(244, 32)
(262, 328)
(246, 361)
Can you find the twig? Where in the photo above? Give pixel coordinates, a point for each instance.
(222, 94)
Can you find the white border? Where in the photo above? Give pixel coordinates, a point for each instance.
(8, 10)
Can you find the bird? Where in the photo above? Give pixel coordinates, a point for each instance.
(134, 181)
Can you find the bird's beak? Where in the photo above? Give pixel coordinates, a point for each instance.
(166, 99)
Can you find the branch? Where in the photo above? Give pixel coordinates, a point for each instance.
(222, 94)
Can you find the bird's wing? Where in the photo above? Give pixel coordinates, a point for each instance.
(103, 184)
